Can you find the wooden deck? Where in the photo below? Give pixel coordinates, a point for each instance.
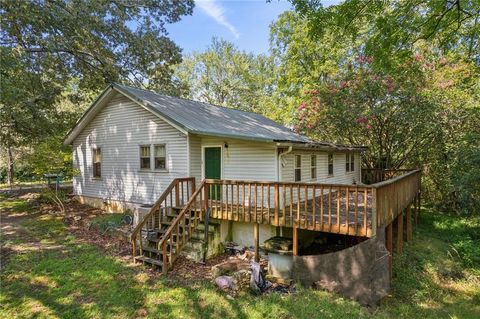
(317, 213)
(357, 210)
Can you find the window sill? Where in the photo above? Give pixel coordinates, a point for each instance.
(96, 178)
(153, 170)
(330, 175)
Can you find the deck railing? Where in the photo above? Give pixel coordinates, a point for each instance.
(176, 194)
(377, 175)
(394, 195)
(338, 208)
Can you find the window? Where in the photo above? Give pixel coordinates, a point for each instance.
(160, 157)
(145, 157)
(330, 164)
(298, 168)
(349, 162)
(97, 162)
(313, 167)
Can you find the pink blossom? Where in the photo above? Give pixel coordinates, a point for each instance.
(418, 57)
(362, 120)
(369, 127)
(343, 84)
(302, 106)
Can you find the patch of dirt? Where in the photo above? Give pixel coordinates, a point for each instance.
(78, 219)
(186, 270)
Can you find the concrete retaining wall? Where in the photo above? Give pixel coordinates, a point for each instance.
(360, 272)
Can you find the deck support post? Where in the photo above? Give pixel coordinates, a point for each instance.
(256, 239)
(400, 233)
(295, 240)
(409, 223)
(389, 244)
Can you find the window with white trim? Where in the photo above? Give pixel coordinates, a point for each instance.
(349, 162)
(330, 164)
(145, 157)
(313, 166)
(97, 162)
(298, 168)
(160, 156)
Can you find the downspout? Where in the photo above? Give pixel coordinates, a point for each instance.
(280, 156)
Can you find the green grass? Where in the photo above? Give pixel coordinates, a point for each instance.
(66, 278)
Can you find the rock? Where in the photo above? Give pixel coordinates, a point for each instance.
(230, 266)
(278, 243)
(224, 282)
(242, 279)
(229, 297)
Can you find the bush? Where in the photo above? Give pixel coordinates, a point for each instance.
(109, 222)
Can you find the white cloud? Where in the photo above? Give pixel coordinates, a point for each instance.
(217, 12)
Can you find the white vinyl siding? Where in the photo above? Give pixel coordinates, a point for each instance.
(120, 128)
(339, 175)
(195, 147)
(245, 160)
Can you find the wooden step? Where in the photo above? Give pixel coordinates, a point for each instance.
(149, 260)
(152, 250)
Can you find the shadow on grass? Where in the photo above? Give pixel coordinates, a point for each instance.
(70, 281)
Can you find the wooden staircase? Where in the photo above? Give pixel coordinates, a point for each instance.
(161, 235)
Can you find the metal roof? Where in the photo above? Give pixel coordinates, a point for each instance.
(203, 118)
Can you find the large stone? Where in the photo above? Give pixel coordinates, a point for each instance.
(225, 282)
(230, 266)
(278, 243)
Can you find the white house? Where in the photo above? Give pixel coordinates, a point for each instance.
(131, 143)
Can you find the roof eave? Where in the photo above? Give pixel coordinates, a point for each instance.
(322, 146)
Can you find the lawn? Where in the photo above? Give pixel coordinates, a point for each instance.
(53, 274)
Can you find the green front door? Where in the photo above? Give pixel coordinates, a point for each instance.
(213, 168)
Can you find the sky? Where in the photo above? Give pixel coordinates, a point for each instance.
(242, 22)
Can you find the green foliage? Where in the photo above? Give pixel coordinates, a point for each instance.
(366, 107)
(391, 30)
(67, 278)
(47, 45)
(226, 76)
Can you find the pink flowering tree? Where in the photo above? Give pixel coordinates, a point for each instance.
(386, 112)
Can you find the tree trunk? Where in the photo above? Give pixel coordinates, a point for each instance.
(9, 166)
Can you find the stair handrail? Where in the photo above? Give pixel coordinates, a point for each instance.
(155, 207)
(176, 223)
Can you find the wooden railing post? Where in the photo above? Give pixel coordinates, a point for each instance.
(177, 194)
(276, 202)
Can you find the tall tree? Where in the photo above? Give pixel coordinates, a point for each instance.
(393, 29)
(46, 44)
(224, 75)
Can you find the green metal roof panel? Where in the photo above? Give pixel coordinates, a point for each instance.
(203, 118)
